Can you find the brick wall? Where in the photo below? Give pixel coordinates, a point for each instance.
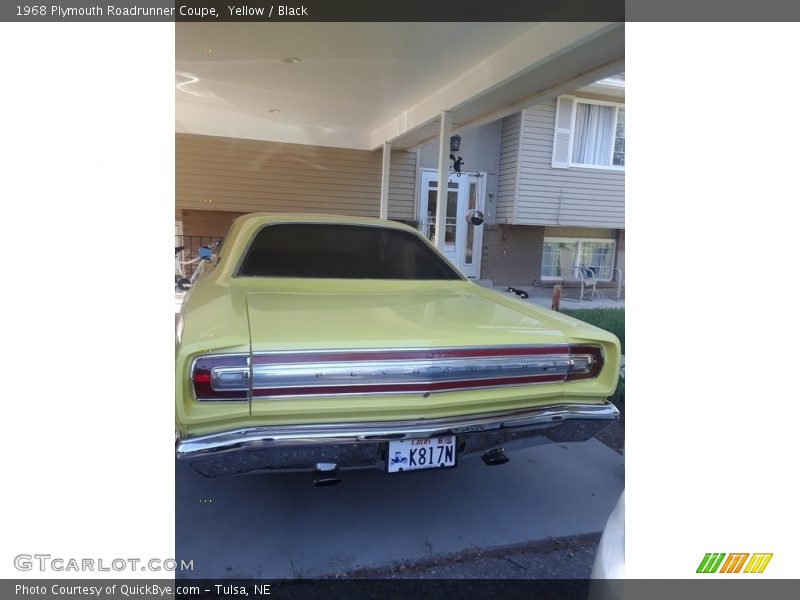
(206, 222)
(516, 261)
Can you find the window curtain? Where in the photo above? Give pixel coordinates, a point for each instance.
(594, 128)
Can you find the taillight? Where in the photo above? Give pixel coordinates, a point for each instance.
(221, 378)
(585, 362)
(402, 371)
(231, 377)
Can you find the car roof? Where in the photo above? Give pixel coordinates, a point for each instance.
(265, 217)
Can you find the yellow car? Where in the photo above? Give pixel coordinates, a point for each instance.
(321, 343)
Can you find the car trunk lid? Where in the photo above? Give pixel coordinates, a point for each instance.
(424, 351)
(292, 321)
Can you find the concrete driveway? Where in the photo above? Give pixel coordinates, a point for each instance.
(281, 526)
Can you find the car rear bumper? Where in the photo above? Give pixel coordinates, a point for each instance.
(363, 445)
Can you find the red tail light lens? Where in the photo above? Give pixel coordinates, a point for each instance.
(221, 378)
(586, 362)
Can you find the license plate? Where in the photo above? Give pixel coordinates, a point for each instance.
(421, 453)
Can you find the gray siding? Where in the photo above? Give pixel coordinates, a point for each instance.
(509, 163)
(546, 196)
(229, 174)
(480, 149)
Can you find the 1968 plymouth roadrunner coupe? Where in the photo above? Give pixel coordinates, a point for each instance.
(322, 343)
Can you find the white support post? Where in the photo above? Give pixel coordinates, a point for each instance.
(444, 173)
(387, 161)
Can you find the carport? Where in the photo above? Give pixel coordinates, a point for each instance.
(330, 117)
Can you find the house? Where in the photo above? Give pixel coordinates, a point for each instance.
(554, 178)
(540, 146)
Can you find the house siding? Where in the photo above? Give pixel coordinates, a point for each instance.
(509, 164)
(238, 175)
(534, 193)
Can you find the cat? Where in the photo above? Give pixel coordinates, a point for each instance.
(556, 301)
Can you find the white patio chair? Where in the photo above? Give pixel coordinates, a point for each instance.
(590, 281)
(572, 274)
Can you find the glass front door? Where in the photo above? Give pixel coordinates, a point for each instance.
(462, 240)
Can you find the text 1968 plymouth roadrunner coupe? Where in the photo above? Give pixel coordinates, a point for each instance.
(322, 343)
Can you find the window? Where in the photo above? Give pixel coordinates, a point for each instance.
(590, 254)
(551, 257)
(342, 252)
(618, 159)
(589, 133)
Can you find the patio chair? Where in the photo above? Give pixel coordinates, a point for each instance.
(572, 274)
(590, 280)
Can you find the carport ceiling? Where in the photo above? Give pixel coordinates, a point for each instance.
(357, 85)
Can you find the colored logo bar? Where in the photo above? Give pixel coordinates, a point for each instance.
(717, 562)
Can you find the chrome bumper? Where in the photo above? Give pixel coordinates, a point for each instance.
(363, 445)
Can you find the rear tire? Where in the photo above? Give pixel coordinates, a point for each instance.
(184, 284)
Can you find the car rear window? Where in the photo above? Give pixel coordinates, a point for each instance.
(322, 250)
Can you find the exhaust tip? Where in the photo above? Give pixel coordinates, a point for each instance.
(326, 474)
(494, 457)
(326, 481)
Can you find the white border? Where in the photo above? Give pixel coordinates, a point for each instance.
(87, 353)
(711, 435)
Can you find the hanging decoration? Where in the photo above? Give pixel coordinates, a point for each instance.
(505, 233)
(457, 164)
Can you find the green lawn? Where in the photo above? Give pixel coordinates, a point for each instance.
(610, 319)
